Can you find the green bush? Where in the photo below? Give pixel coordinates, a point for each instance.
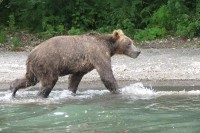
(15, 42)
(74, 31)
(161, 18)
(150, 34)
(142, 18)
(48, 33)
(11, 23)
(45, 35)
(106, 29)
(178, 18)
(3, 36)
(127, 26)
(187, 27)
(60, 29)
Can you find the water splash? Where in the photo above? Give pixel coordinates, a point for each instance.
(138, 91)
(28, 96)
(133, 91)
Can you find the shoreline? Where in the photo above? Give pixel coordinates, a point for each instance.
(96, 85)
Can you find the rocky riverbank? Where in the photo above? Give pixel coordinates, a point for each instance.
(152, 64)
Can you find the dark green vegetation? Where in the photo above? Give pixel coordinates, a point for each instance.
(140, 19)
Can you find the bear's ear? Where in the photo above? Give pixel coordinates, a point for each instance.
(117, 34)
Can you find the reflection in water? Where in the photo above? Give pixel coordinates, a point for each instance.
(136, 109)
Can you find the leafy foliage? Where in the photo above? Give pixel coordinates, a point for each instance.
(11, 23)
(178, 17)
(74, 31)
(150, 33)
(140, 19)
(15, 42)
(3, 35)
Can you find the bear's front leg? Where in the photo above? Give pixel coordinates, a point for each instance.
(73, 82)
(103, 66)
(110, 82)
(108, 79)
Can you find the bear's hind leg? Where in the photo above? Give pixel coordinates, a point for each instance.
(19, 84)
(74, 80)
(47, 86)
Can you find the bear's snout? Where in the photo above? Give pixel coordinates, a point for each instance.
(133, 53)
(138, 52)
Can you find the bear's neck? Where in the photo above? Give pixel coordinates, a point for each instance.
(110, 44)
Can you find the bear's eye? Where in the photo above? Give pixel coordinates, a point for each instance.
(129, 44)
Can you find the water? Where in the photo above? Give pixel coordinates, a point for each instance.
(137, 109)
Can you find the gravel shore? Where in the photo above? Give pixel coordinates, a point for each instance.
(151, 65)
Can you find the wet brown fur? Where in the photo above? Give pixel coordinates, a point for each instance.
(74, 56)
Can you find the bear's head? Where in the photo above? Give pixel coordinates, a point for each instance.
(124, 45)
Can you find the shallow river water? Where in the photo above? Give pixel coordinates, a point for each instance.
(137, 109)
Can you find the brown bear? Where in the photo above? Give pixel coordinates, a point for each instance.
(74, 55)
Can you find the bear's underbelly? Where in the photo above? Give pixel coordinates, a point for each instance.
(79, 68)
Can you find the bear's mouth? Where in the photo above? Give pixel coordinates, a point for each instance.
(134, 54)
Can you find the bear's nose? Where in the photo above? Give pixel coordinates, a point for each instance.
(138, 52)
